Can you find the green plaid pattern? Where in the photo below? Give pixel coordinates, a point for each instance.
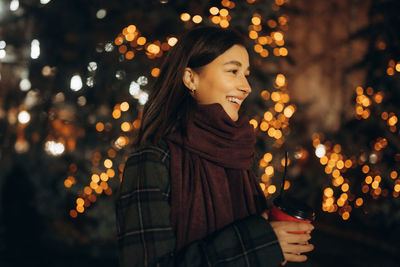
(145, 235)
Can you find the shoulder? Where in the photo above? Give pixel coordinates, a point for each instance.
(150, 152)
(147, 168)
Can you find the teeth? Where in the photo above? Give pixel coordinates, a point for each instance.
(234, 100)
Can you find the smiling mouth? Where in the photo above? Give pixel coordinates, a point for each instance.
(235, 101)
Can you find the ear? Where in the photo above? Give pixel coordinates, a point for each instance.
(190, 79)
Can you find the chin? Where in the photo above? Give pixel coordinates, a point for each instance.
(234, 117)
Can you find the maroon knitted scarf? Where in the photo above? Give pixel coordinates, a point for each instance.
(212, 183)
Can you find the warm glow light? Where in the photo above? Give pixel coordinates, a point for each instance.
(253, 35)
(348, 163)
(126, 126)
(280, 80)
(80, 201)
(365, 169)
(87, 190)
(262, 185)
(288, 112)
(155, 72)
(185, 17)
(279, 107)
(340, 164)
(375, 184)
(368, 179)
(197, 19)
(283, 51)
(95, 178)
(104, 177)
(328, 192)
(267, 157)
(129, 55)
(99, 127)
(345, 187)
(392, 120)
(254, 123)
(256, 20)
(264, 126)
(269, 170)
(116, 113)
(73, 213)
(346, 215)
(224, 12)
(271, 189)
(80, 209)
(154, 49)
(393, 174)
(278, 36)
(110, 173)
(141, 40)
(172, 41)
(268, 116)
(124, 106)
(216, 19)
(214, 10)
(397, 188)
(108, 163)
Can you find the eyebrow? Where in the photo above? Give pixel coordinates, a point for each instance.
(237, 63)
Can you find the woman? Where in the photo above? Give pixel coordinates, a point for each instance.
(188, 195)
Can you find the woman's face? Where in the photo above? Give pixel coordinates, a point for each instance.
(224, 81)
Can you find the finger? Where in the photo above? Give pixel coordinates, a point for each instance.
(296, 238)
(296, 248)
(283, 263)
(295, 258)
(292, 226)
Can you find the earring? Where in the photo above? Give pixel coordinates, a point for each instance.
(192, 91)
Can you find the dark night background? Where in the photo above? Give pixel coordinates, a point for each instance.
(74, 76)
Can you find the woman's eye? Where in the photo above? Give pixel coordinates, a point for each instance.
(233, 71)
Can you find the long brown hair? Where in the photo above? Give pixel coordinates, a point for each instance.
(170, 105)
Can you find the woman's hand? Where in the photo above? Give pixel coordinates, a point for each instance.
(293, 244)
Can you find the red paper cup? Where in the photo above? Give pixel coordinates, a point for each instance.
(292, 210)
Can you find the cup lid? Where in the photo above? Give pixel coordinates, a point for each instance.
(295, 208)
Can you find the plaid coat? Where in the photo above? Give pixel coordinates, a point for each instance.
(145, 235)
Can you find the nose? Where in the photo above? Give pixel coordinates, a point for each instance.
(245, 86)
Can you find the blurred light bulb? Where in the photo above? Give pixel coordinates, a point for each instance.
(2, 53)
(24, 117)
(76, 83)
(92, 66)
(101, 14)
(320, 151)
(142, 80)
(143, 97)
(14, 5)
(25, 84)
(90, 81)
(43, 2)
(2, 44)
(21, 145)
(54, 148)
(134, 89)
(35, 49)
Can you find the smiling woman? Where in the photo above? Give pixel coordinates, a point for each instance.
(188, 196)
(222, 81)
